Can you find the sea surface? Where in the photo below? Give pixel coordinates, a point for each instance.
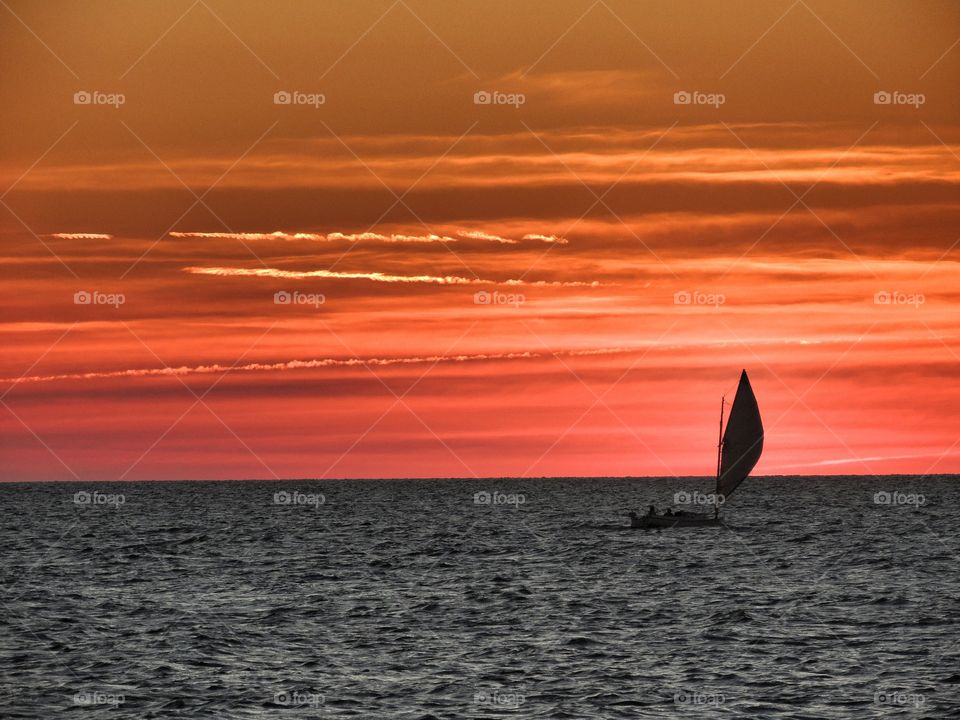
(818, 598)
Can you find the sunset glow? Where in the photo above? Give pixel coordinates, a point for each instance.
(406, 280)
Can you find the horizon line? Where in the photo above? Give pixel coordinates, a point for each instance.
(485, 478)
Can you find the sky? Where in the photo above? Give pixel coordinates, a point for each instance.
(378, 239)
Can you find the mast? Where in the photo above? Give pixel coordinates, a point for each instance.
(716, 506)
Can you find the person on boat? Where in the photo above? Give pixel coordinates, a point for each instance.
(668, 511)
(652, 511)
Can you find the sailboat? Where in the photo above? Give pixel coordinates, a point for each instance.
(738, 450)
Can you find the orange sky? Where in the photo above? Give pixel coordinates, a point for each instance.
(815, 233)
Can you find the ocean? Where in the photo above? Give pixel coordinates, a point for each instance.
(827, 597)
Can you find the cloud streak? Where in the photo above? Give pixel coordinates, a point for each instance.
(379, 277)
(546, 238)
(480, 235)
(81, 236)
(703, 155)
(357, 237)
(277, 235)
(185, 370)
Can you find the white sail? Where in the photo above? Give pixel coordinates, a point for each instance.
(742, 440)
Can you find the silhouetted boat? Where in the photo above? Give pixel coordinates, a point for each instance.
(738, 450)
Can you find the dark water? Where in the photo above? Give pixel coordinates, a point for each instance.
(405, 599)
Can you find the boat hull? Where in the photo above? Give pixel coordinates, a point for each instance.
(660, 522)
